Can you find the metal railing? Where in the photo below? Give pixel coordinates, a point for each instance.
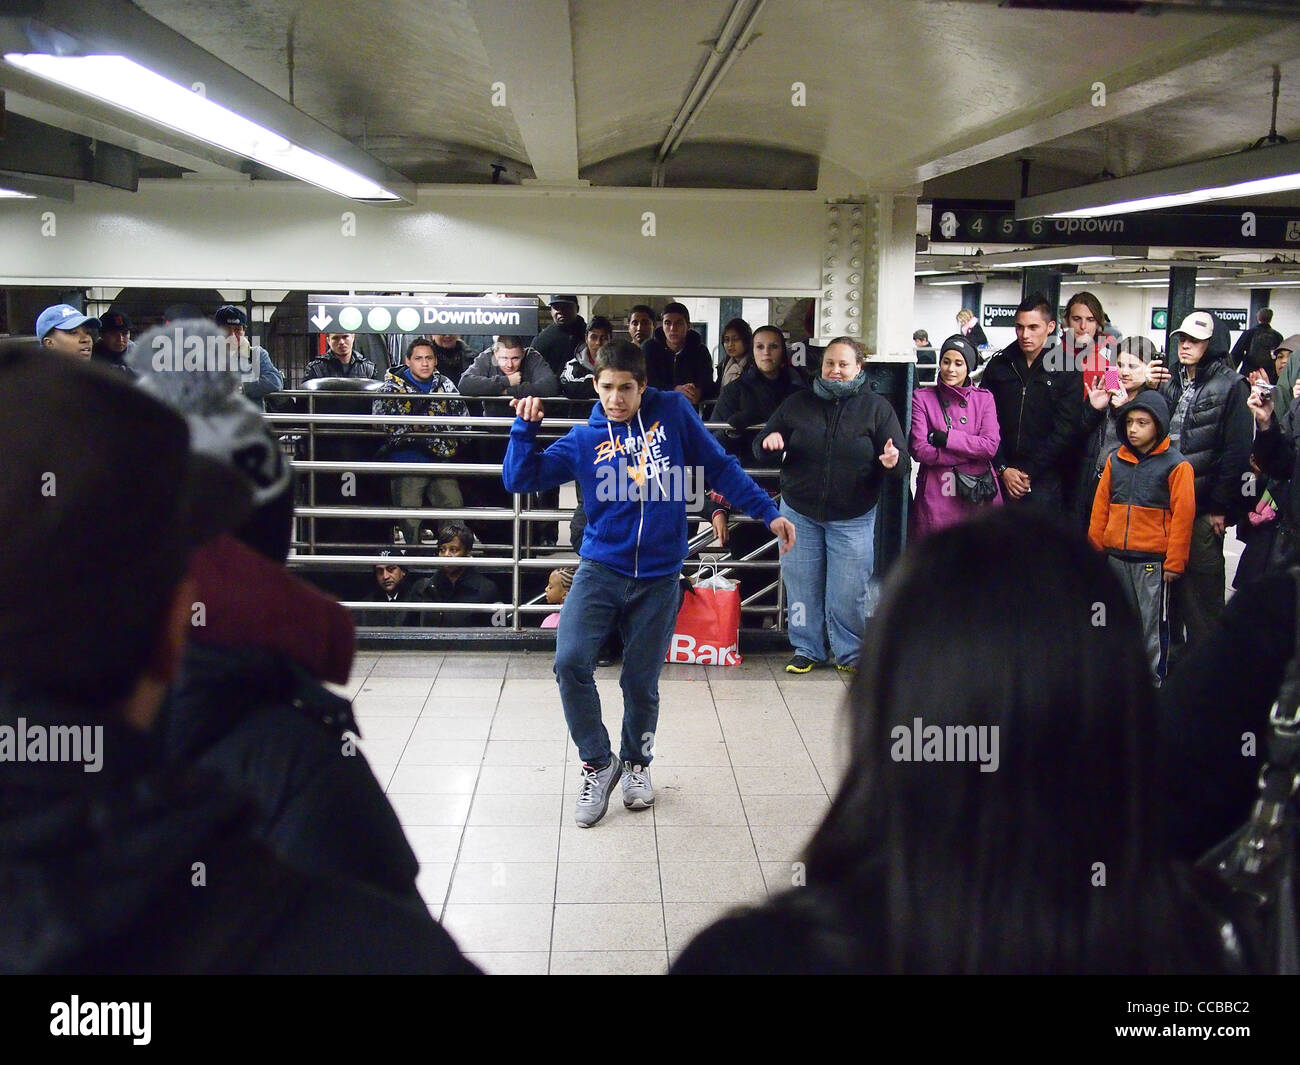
(311, 552)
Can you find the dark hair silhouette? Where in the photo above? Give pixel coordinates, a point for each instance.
(1052, 863)
(1036, 301)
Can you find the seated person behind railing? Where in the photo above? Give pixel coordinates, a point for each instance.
(341, 361)
(557, 588)
(458, 584)
(393, 583)
(409, 386)
(578, 381)
(509, 368)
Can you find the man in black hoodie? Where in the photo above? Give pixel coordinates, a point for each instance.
(113, 862)
(557, 341)
(1211, 426)
(1040, 409)
(676, 358)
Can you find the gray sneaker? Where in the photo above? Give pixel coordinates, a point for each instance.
(637, 792)
(593, 797)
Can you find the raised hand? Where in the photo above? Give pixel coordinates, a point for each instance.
(528, 407)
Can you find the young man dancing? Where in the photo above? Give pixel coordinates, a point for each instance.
(637, 459)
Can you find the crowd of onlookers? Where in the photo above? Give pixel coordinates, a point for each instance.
(1043, 423)
(231, 824)
(1154, 455)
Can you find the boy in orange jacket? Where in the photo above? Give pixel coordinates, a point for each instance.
(1142, 517)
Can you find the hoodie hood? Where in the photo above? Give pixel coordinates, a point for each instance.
(1155, 404)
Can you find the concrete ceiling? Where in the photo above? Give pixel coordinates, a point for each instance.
(898, 92)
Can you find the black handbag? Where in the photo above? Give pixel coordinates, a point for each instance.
(976, 488)
(1257, 863)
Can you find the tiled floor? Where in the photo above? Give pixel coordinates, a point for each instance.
(474, 754)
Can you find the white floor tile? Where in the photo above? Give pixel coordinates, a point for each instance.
(487, 843)
(434, 779)
(720, 882)
(503, 882)
(500, 926)
(608, 962)
(608, 882)
(609, 926)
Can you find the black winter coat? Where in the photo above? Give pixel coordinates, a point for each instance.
(752, 399)
(1223, 688)
(1275, 453)
(407, 592)
(1216, 436)
(693, 365)
(138, 868)
(830, 469)
(275, 734)
(473, 586)
(556, 342)
(329, 366)
(1040, 412)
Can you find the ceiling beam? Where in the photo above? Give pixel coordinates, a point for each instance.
(530, 52)
(1221, 59)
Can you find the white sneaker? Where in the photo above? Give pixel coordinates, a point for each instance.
(637, 792)
(593, 796)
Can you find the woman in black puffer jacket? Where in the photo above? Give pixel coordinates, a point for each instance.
(839, 442)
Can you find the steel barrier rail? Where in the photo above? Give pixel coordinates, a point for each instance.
(295, 426)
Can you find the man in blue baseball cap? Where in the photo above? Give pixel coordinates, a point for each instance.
(66, 331)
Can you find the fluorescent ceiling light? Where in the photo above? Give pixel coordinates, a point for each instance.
(960, 279)
(933, 273)
(1257, 172)
(14, 194)
(125, 84)
(1060, 256)
(1268, 284)
(1155, 282)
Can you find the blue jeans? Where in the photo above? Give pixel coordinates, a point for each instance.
(644, 612)
(827, 577)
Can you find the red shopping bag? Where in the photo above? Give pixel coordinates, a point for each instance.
(708, 625)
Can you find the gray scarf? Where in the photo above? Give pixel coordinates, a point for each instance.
(839, 389)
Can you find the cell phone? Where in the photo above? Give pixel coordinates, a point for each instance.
(1110, 379)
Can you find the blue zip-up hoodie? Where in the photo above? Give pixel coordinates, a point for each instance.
(635, 477)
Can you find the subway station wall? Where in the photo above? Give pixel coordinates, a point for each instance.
(283, 235)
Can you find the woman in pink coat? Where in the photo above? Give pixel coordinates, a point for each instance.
(962, 442)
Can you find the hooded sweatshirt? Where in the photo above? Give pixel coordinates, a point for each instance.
(635, 478)
(1146, 502)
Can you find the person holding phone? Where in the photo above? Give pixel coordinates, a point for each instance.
(1117, 386)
